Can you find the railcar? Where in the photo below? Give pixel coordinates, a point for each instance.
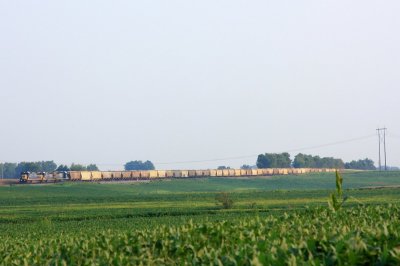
(213, 173)
(117, 175)
(153, 174)
(106, 175)
(96, 175)
(135, 175)
(126, 175)
(161, 174)
(145, 175)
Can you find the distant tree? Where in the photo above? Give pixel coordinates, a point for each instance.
(77, 167)
(283, 160)
(139, 165)
(223, 167)
(27, 167)
(366, 164)
(274, 160)
(149, 165)
(7, 170)
(47, 166)
(42, 166)
(265, 161)
(299, 161)
(92, 167)
(245, 166)
(62, 168)
(309, 161)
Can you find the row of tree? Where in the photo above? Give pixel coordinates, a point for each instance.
(282, 160)
(77, 167)
(309, 161)
(13, 170)
(365, 164)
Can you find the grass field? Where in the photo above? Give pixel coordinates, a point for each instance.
(59, 216)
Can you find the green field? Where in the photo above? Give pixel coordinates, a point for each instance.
(163, 222)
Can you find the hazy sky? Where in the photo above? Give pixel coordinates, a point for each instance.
(169, 81)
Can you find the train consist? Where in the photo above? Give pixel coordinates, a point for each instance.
(88, 176)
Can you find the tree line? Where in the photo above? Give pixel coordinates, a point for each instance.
(13, 170)
(283, 160)
(365, 164)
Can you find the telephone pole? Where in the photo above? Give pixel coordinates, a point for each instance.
(379, 147)
(384, 146)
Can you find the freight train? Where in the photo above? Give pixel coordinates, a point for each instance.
(88, 176)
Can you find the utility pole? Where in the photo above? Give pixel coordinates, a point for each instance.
(379, 147)
(384, 146)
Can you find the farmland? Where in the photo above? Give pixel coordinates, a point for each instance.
(274, 220)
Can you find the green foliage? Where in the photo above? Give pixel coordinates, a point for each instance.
(92, 167)
(139, 165)
(43, 166)
(245, 166)
(47, 166)
(366, 164)
(80, 167)
(224, 199)
(223, 167)
(62, 168)
(12, 170)
(27, 167)
(336, 199)
(8, 170)
(274, 160)
(363, 236)
(77, 167)
(309, 161)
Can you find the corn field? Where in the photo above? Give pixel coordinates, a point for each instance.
(367, 235)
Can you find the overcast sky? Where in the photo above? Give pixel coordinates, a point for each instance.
(107, 82)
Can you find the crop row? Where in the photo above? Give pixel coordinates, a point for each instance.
(359, 235)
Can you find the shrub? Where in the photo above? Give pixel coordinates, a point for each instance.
(224, 199)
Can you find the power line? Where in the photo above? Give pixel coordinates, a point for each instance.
(334, 143)
(291, 150)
